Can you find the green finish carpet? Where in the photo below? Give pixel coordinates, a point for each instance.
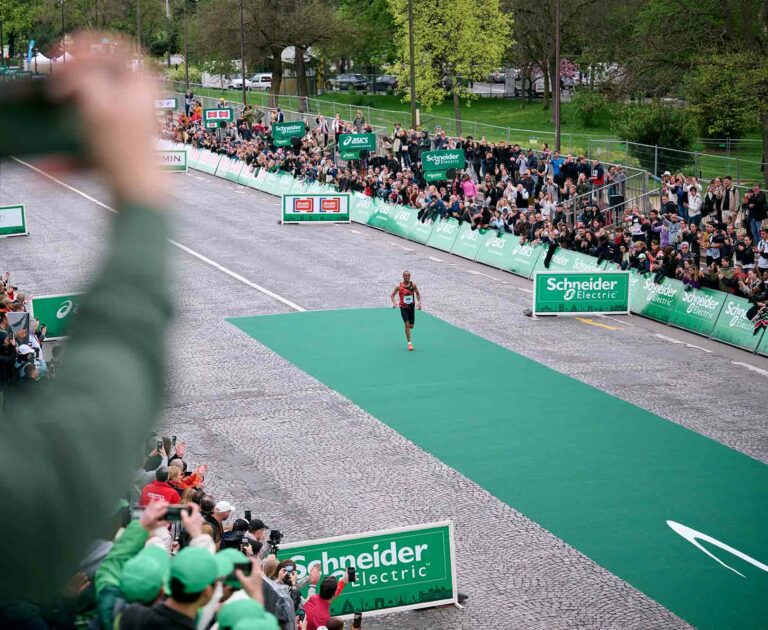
(603, 475)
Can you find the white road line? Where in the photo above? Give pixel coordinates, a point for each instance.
(751, 367)
(683, 343)
(191, 252)
(524, 290)
(408, 249)
(198, 177)
(435, 259)
(355, 231)
(480, 273)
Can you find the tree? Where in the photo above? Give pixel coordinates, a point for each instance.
(455, 41)
(654, 126)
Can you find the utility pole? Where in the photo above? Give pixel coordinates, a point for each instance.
(186, 51)
(242, 55)
(138, 29)
(412, 64)
(557, 75)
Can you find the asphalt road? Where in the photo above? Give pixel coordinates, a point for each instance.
(311, 463)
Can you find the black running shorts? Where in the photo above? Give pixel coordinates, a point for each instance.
(409, 314)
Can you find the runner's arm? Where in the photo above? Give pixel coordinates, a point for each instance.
(392, 297)
(420, 302)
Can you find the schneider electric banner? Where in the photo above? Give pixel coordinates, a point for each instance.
(314, 208)
(574, 293)
(350, 145)
(397, 569)
(283, 132)
(437, 163)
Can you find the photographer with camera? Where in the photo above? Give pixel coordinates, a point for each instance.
(318, 606)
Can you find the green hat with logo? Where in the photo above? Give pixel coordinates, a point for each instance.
(242, 609)
(195, 568)
(267, 623)
(159, 555)
(141, 579)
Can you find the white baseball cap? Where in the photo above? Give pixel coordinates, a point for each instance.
(25, 349)
(223, 506)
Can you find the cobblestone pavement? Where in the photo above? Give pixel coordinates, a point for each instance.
(311, 463)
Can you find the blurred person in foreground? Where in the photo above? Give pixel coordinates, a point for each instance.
(109, 388)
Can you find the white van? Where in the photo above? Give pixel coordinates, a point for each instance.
(261, 81)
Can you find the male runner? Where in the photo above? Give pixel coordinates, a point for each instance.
(410, 300)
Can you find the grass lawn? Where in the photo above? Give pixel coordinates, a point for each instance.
(517, 121)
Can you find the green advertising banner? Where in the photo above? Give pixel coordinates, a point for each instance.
(576, 292)
(55, 312)
(762, 347)
(419, 232)
(328, 208)
(444, 233)
(403, 220)
(249, 177)
(523, 258)
(496, 249)
(208, 162)
(283, 132)
(350, 145)
(656, 301)
(173, 161)
(435, 176)
(382, 215)
(468, 241)
(362, 208)
(397, 569)
(567, 260)
(733, 327)
(217, 117)
(442, 160)
(13, 220)
(698, 310)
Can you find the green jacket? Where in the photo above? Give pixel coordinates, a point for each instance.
(85, 432)
(107, 579)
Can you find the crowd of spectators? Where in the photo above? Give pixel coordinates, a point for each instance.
(705, 238)
(178, 557)
(22, 364)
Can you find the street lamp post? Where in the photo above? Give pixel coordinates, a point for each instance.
(242, 55)
(412, 64)
(138, 29)
(557, 76)
(186, 51)
(63, 36)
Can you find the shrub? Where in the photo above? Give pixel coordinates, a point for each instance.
(588, 106)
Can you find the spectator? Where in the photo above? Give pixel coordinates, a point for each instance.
(159, 490)
(318, 606)
(758, 211)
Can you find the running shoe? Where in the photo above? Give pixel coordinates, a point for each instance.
(410, 346)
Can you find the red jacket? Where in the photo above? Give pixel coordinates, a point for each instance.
(318, 610)
(158, 491)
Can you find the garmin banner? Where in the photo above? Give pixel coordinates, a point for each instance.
(575, 293)
(396, 569)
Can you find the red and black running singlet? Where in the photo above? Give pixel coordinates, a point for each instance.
(406, 295)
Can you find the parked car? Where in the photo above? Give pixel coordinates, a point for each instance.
(384, 83)
(497, 76)
(261, 81)
(347, 81)
(236, 83)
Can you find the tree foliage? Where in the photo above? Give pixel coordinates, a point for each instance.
(455, 40)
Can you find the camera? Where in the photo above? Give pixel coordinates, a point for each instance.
(352, 574)
(275, 536)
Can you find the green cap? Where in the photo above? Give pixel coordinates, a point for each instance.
(233, 612)
(141, 579)
(159, 555)
(195, 568)
(268, 622)
(226, 560)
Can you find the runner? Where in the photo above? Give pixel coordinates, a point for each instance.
(409, 294)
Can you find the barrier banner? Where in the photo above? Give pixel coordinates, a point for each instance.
(174, 161)
(419, 232)
(397, 569)
(523, 258)
(576, 292)
(13, 220)
(55, 312)
(382, 215)
(350, 145)
(733, 327)
(214, 118)
(362, 208)
(249, 177)
(283, 132)
(762, 347)
(567, 260)
(193, 155)
(444, 233)
(328, 208)
(270, 183)
(208, 162)
(468, 241)
(495, 250)
(697, 310)
(656, 301)
(223, 166)
(402, 221)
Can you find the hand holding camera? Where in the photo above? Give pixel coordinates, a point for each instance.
(153, 516)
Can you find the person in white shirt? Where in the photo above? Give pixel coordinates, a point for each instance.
(694, 204)
(762, 250)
